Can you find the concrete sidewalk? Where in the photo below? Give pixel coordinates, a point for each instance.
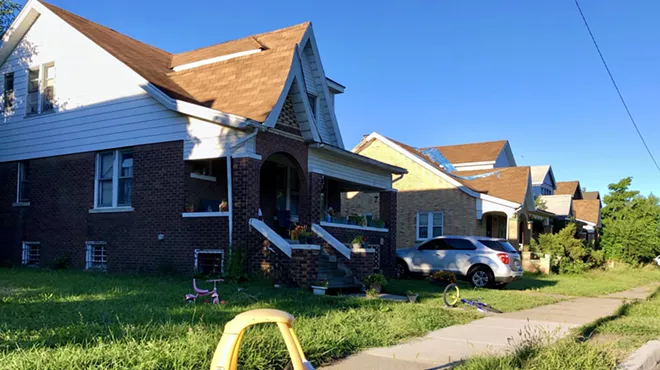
(445, 348)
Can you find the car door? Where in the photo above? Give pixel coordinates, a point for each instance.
(429, 256)
(458, 254)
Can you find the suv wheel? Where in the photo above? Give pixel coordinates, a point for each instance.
(482, 277)
(401, 270)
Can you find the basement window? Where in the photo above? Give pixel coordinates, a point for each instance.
(31, 254)
(209, 261)
(96, 256)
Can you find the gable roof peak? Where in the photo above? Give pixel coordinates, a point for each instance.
(486, 151)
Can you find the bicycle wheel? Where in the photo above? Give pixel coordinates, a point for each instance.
(451, 295)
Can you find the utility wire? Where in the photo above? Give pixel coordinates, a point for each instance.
(615, 85)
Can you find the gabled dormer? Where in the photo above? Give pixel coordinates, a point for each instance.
(543, 180)
(476, 156)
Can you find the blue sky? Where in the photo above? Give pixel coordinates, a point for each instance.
(448, 72)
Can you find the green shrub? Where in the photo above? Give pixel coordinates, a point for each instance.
(236, 271)
(374, 279)
(570, 255)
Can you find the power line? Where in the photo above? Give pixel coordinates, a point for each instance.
(615, 85)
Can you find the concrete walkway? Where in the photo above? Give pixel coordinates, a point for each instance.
(442, 349)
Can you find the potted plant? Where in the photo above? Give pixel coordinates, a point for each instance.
(442, 278)
(320, 287)
(329, 214)
(190, 207)
(412, 296)
(224, 206)
(305, 236)
(376, 282)
(378, 223)
(295, 233)
(338, 218)
(358, 241)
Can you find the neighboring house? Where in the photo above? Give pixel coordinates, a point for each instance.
(571, 188)
(121, 156)
(432, 201)
(560, 205)
(590, 195)
(543, 180)
(477, 156)
(587, 211)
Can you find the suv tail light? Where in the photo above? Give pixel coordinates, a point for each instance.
(504, 258)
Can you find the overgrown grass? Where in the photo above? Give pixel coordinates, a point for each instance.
(600, 345)
(75, 320)
(593, 283)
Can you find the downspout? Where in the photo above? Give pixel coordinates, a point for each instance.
(230, 197)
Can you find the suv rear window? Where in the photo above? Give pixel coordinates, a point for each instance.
(499, 245)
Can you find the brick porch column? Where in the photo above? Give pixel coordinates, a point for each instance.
(315, 189)
(245, 199)
(388, 200)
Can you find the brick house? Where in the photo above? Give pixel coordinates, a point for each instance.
(436, 197)
(167, 160)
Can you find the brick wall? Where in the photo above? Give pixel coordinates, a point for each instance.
(62, 193)
(419, 190)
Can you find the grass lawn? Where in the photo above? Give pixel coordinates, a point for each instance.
(77, 320)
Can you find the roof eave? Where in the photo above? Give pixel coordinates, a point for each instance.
(354, 156)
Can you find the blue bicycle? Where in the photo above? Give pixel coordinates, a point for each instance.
(452, 296)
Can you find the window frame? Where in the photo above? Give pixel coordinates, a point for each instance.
(313, 104)
(211, 251)
(116, 153)
(25, 253)
(89, 253)
(9, 101)
(20, 180)
(429, 225)
(41, 89)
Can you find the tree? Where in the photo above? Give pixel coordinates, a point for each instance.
(8, 11)
(631, 224)
(540, 204)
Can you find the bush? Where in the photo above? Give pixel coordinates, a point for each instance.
(235, 269)
(570, 255)
(444, 276)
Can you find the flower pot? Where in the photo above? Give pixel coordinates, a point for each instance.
(357, 246)
(413, 298)
(319, 290)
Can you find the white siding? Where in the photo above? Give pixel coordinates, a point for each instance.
(100, 103)
(324, 124)
(343, 169)
(310, 81)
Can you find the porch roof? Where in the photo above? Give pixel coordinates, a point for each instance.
(350, 156)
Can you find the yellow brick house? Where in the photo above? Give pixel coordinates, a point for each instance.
(435, 198)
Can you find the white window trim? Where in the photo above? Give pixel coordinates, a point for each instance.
(89, 245)
(19, 173)
(25, 255)
(211, 251)
(204, 214)
(114, 208)
(40, 91)
(429, 224)
(202, 177)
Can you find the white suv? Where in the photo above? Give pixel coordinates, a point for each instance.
(485, 262)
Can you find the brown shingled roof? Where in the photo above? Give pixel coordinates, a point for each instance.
(246, 86)
(590, 195)
(473, 152)
(508, 183)
(567, 187)
(587, 210)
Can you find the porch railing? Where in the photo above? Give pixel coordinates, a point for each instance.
(325, 235)
(271, 235)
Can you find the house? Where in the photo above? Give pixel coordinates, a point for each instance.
(590, 195)
(116, 155)
(571, 188)
(543, 180)
(433, 201)
(587, 211)
(476, 156)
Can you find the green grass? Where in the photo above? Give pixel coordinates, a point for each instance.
(593, 283)
(76, 320)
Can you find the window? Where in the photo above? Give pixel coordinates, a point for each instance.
(96, 257)
(31, 253)
(429, 225)
(22, 188)
(41, 89)
(434, 245)
(460, 244)
(312, 103)
(114, 178)
(498, 245)
(209, 261)
(8, 93)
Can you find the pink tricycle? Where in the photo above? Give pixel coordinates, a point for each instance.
(190, 298)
